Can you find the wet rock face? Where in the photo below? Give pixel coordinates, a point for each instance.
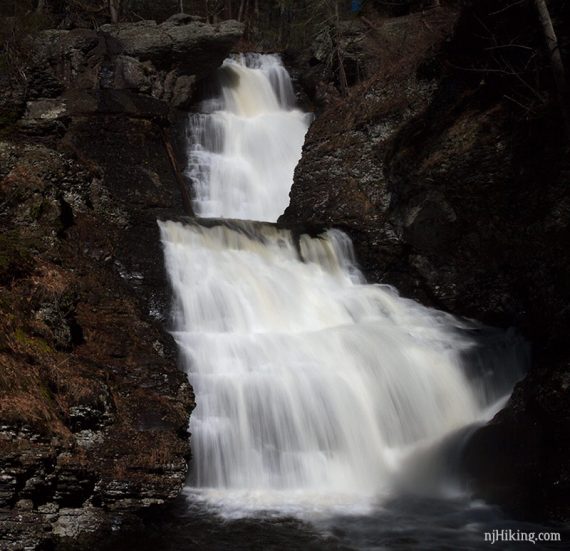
(93, 410)
(93, 407)
(451, 195)
(519, 458)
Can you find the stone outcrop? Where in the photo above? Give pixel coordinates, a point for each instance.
(158, 62)
(342, 179)
(169, 44)
(93, 410)
(455, 189)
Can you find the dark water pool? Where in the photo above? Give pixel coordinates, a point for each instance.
(409, 523)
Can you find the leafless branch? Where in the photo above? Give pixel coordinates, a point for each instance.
(508, 7)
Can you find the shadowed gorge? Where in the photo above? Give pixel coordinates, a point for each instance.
(284, 275)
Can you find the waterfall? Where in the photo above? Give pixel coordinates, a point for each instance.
(313, 387)
(247, 143)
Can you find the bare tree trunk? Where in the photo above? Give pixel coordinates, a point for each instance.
(341, 71)
(555, 60)
(280, 34)
(114, 10)
(240, 11)
(228, 9)
(246, 20)
(181, 6)
(41, 6)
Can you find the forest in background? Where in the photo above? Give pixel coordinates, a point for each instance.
(298, 25)
(270, 23)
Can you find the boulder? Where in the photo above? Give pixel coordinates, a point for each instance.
(162, 61)
(167, 45)
(44, 116)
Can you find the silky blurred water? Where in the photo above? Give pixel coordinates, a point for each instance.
(331, 413)
(245, 144)
(317, 391)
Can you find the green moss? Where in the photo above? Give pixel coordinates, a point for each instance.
(46, 393)
(20, 336)
(33, 344)
(36, 210)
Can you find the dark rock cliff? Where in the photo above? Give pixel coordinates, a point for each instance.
(448, 167)
(93, 410)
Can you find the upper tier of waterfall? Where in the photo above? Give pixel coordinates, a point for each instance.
(245, 145)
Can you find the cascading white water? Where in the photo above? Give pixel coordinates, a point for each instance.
(312, 386)
(307, 379)
(244, 149)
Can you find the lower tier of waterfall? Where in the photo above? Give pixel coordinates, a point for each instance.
(315, 389)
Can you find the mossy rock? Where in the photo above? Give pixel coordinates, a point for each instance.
(36, 209)
(9, 117)
(33, 344)
(15, 257)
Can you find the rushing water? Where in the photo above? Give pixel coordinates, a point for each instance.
(319, 395)
(314, 388)
(247, 142)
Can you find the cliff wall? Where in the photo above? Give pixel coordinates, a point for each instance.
(448, 167)
(93, 409)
